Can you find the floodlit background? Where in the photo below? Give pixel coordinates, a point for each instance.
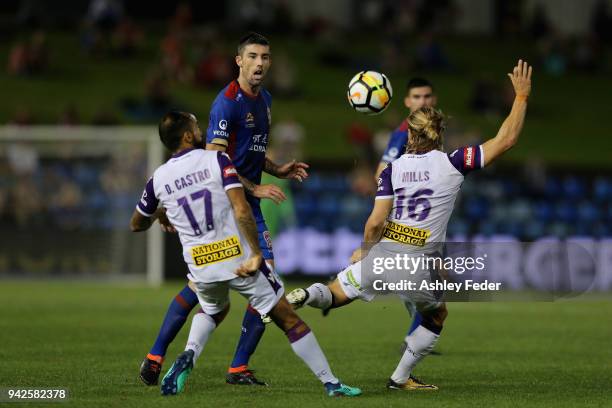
(85, 82)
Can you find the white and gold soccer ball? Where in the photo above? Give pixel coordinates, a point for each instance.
(370, 92)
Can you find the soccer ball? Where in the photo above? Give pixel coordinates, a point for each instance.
(369, 92)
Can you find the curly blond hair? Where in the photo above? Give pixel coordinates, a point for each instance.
(427, 126)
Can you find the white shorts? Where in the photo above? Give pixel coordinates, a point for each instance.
(354, 287)
(263, 291)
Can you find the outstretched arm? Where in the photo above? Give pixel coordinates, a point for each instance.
(509, 131)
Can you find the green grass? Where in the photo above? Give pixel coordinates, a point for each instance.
(91, 339)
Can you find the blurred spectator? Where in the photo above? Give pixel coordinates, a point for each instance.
(173, 59)
(107, 30)
(361, 138)
(361, 180)
(157, 100)
(27, 203)
(127, 38)
(508, 19)
(486, 98)
(283, 80)
(588, 54)
(182, 18)
(29, 58)
(552, 54)
(430, 55)
(22, 159)
(66, 205)
(70, 116)
(104, 117)
(601, 21)
(105, 15)
(22, 117)
(286, 137)
(540, 23)
(215, 69)
(282, 17)
(438, 16)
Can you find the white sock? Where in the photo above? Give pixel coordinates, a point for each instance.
(420, 343)
(202, 327)
(319, 296)
(307, 348)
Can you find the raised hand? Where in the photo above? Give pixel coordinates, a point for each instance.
(521, 79)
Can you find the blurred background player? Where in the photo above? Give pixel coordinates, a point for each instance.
(221, 248)
(239, 124)
(419, 94)
(445, 174)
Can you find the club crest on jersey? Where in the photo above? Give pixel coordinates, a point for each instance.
(268, 239)
(250, 120)
(468, 158)
(218, 251)
(405, 234)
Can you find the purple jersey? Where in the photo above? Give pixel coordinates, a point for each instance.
(423, 188)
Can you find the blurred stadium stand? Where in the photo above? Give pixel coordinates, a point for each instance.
(111, 62)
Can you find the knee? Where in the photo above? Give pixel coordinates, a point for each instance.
(219, 317)
(283, 315)
(440, 315)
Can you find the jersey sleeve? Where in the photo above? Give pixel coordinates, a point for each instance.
(148, 202)
(229, 174)
(396, 146)
(467, 158)
(220, 122)
(385, 187)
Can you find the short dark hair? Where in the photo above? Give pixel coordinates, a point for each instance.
(252, 38)
(172, 126)
(417, 82)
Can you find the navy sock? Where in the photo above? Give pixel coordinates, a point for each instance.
(416, 322)
(252, 330)
(177, 313)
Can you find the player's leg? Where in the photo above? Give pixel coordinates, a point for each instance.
(253, 325)
(175, 318)
(214, 300)
(417, 318)
(343, 290)
(305, 346)
(419, 344)
(265, 294)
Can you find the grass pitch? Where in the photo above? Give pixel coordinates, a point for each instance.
(92, 338)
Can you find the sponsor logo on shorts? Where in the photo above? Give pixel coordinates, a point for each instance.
(214, 252)
(351, 279)
(223, 124)
(406, 235)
